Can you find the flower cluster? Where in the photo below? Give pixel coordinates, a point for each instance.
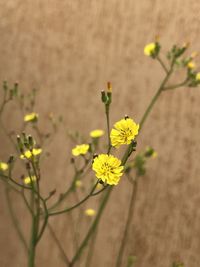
(27, 154)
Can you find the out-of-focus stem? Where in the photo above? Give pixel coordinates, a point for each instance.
(15, 220)
(64, 256)
(92, 228)
(128, 222)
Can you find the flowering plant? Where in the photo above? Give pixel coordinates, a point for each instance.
(107, 167)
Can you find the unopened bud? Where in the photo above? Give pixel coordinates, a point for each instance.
(19, 142)
(103, 96)
(109, 86)
(126, 117)
(11, 159)
(30, 140)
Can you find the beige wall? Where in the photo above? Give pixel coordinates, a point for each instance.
(69, 50)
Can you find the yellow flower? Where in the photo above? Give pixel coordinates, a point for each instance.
(28, 154)
(191, 65)
(80, 150)
(28, 179)
(78, 183)
(90, 212)
(96, 133)
(108, 168)
(149, 49)
(124, 132)
(3, 166)
(36, 151)
(198, 76)
(31, 117)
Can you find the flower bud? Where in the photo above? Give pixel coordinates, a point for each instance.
(103, 96)
(30, 140)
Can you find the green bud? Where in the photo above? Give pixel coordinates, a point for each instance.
(103, 97)
(19, 143)
(30, 141)
(149, 152)
(11, 159)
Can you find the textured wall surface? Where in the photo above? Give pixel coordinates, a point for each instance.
(69, 50)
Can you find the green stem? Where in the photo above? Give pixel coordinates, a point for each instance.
(77, 175)
(107, 108)
(147, 112)
(92, 228)
(31, 256)
(76, 205)
(15, 220)
(26, 201)
(128, 222)
(91, 249)
(154, 99)
(64, 256)
(44, 223)
(162, 64)
(32, 247)
(171, 87)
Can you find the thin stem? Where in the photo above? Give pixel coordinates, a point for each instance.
(171, 87)
(107, 108)
(91, 249)
(162, 64)
(76, 205)
(5, 179)
(26, 201)
(44, 223)
(128, 222)
(100, 191)
(64, 256)
(128, 151)
(154, 99)
(15, 220)
(37, 200)
(32, 248)
(92, 228)
(78, 174)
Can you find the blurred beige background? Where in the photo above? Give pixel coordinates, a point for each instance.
(69, 50)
